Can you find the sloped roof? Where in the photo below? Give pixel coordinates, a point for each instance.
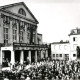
(75, 32)
(14, 4)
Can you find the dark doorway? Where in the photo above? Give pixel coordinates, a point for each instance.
(17, 56)
(78, 52)
(25, 55)
(38, 55)
(7, 55)
(49, 52)
(44, 54)
(33, 56)
(6, 58)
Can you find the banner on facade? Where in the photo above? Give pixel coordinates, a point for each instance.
(30, 45)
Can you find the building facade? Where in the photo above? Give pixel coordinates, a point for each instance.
(19, 39)
(60, 50)
(67, 50)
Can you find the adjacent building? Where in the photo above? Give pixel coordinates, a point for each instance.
(19, 39)
(67, 50)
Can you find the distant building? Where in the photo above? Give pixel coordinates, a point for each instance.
(60, 50)
(19, 39)
(67, 50)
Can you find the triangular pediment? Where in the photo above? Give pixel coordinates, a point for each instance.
(14, 8)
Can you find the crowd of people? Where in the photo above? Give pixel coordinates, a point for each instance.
(45, 69)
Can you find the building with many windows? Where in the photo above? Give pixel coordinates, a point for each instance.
(19, 39)
(69, 50)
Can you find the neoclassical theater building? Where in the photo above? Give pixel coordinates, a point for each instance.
(19, 39)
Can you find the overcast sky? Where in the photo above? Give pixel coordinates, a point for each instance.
(56, 17)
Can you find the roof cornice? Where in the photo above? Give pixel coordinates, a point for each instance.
(60, 43)
(74, 34)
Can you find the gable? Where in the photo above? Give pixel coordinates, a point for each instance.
(17, 6)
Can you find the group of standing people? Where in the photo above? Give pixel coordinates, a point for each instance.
(46, 69)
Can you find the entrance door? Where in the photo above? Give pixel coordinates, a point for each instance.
(6, 58)
(33, 56)
(17, 55)
(7, 55)
(25, 55)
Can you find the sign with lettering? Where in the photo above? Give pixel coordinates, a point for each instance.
(30, 45)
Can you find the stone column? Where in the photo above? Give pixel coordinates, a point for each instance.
(46, 53)
(41, 54)
(36, 36)
(29, 53)
(17, 32)
(1, 30)
(12, 57)
(11, 33)
(35, 56)
(25, 34)
(0, 61)
(1, 57)
(22, 57)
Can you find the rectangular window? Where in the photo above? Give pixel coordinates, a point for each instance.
(5, 35)
(65, 46)
(54, 47)
(14, 21)
(60, 55)
(60, 47)
(75, 46)
(74, 55)
(66, 56)
(6, 19)
(28, 35)
(56, 55)
(74, 38)
(21, 36)
(53, 55)
(14, 34)
(33, 38)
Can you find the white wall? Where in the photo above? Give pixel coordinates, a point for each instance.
(63, 49)
(73, 45)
